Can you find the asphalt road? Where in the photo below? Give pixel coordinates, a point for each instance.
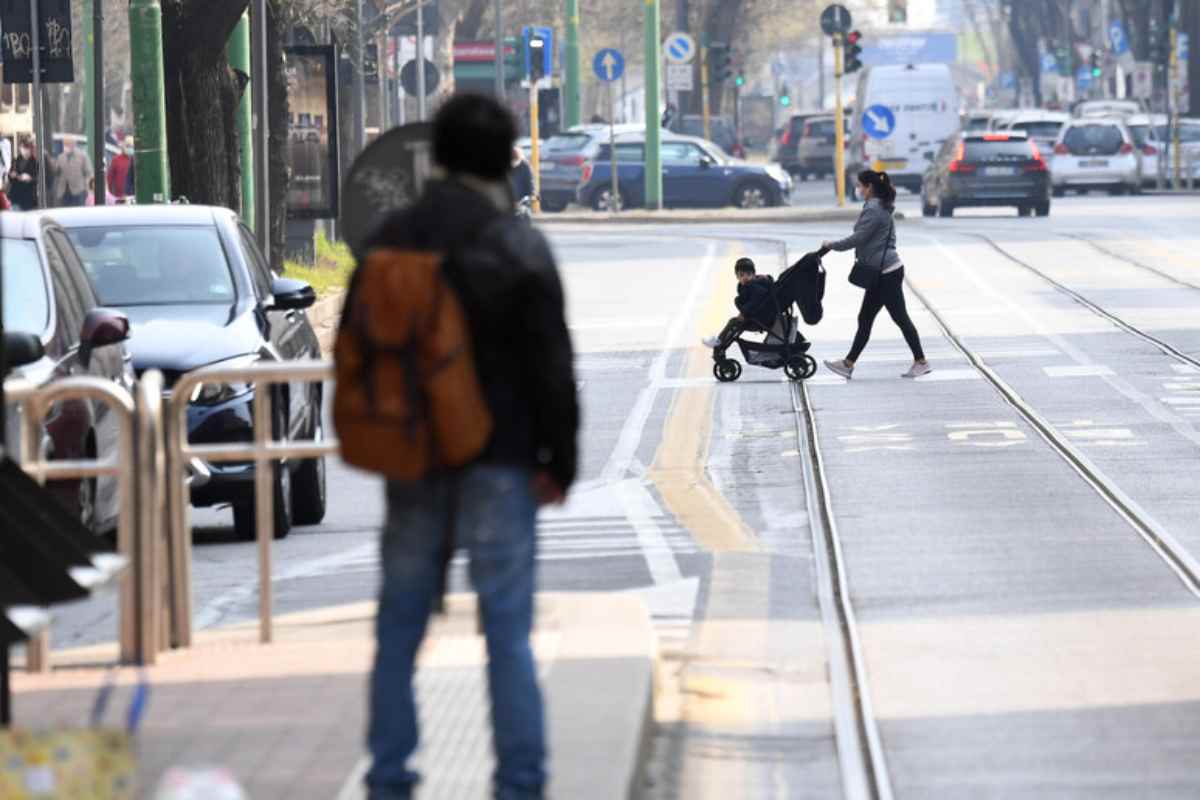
(1021, 637)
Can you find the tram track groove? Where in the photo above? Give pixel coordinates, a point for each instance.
(1164, 347)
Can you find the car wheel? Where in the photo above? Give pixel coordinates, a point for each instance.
(553, 206)
(751, 195)
(308, 487)
(945, 209)
(1058, 191)
(245, 521)
(1043, 209)
(1024, 211)
(602, 199)
(1117, 191)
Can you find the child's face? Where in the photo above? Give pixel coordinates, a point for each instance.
(745, 277)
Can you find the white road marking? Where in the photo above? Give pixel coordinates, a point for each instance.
(983, 434)
(1077, 371)
(1186, 369)
(951, 375)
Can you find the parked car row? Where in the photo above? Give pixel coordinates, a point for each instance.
(115, 291)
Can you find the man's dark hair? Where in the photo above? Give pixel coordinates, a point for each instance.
(744, 266)
(474, 134)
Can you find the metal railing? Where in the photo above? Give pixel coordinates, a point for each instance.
(264, 450)
(139, 444)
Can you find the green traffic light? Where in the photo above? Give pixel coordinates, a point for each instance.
(740, 80)
(1096, 72)
(785, 101)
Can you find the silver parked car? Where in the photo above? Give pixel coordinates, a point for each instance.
(1096, 153)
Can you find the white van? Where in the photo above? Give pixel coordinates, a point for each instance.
(902, 114)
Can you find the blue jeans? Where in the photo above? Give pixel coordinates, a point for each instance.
(494, 515)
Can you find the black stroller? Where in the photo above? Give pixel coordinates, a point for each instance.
(801, 285)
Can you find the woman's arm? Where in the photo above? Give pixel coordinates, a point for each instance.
(865, 227)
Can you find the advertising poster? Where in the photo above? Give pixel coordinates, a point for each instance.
(312, 132)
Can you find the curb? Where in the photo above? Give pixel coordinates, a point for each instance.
(671, 218)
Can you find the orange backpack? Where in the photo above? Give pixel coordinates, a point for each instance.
(408, 398)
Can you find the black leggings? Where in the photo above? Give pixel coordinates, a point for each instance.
(888, 292)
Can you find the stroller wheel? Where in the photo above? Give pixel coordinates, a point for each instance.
(727, 370)
(800, 367)
(810, 367)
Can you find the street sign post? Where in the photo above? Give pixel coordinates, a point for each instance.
(835, 19)
(679, 48)
(609, 65)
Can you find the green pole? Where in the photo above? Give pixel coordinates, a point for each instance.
(150, 107)
(89, 100)
(571, 110)
(653, 191)
(239, 58)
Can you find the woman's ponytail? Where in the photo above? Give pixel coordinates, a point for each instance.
(881, 185)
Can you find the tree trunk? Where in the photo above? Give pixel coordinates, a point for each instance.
(201, 99)
(277, 112)
(471, 21)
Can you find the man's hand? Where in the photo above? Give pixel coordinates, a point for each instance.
(826, 245)
(546, 489)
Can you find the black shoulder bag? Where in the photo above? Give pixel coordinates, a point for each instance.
(865, 277)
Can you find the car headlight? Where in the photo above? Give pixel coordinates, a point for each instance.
(210, 394)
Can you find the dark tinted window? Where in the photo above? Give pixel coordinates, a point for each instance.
(1094, 139)
(1138, 132)
(566, 142)
(1011, 150)
(1040, 130)
(26, 301)
(626, 153)
(155, 265)
(260, 273)
(66, 300)
(977, 123)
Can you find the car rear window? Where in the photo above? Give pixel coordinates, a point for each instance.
(1000, 150)
(820, 129)
(26, 301)
(567, 142)
(1104, 140)
(155, 265)
(1040, 130)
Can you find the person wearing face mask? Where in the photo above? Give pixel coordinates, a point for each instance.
(118, 172)
(23, 177)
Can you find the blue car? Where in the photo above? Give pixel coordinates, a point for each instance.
(695, 174)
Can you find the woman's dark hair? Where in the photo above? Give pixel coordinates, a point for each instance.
(474, 134)
(881, 184)
(744, 265)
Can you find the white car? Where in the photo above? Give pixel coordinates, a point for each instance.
(1108, 108)
(1152, 136)
(1040, 126)
(1095, 153)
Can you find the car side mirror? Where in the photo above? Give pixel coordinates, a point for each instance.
(291, 295)
(101, 327)
(707, 161)
(22, 348)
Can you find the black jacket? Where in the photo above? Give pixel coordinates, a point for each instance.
(754, 300)
(23, 193)
(521, 180)
(508, 283)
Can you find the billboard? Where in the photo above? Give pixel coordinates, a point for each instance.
(909, 48)
(312, 151)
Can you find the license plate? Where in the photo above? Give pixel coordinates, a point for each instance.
(1095, 162)
(884, 166)
(999, 171)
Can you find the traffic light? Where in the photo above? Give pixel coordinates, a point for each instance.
(898, 11)
(739, 80)
(538, 44)
(852, 60)
(720, 66)
(785, 99)
(1095, 65)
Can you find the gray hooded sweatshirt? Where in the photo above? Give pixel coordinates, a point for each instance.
(874, 237)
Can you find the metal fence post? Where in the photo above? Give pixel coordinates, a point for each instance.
(264, 507)
(179, 539)
(148, 541)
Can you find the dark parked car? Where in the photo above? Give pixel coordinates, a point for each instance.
(695, 173)
(561, 159)
(817, 145)
(987, 169)
(47, 294)
(786, 149)
(199, 292)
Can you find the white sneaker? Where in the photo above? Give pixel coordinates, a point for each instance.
(711, 342)
(840, 368)
(917, 370)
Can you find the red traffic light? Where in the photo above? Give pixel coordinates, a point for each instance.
(852, 37)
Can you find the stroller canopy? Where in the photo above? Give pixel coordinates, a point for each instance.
(803, 283)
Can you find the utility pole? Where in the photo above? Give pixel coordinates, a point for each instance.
(653, 187)
(152, 173)
(839, 134)
(39, 102)
(498, 11)
(262, 135)
(420, 60)
(238, 51)
(1176, 97)
(682, 23)
(94, 97)
(571, 67)
(820, 72)
(705, 108)
(358, 82)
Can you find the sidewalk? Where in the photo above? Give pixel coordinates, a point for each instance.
(289, 718)
(693, 216)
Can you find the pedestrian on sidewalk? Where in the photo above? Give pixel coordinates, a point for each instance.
(874, 245)
(74, 170)
(118, 171)
(506, 280)
(23, 191)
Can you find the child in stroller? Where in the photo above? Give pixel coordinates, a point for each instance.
(765, 306)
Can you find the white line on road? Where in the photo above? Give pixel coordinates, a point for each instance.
(1077, 371)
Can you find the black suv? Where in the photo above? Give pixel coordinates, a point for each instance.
(199, 292)
(1002, 168)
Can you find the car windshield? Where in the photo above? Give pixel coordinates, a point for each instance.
(1009, 150)
(1105, 140)
(26, 301)
(566, 142)
(155, 265)
(1041, 129)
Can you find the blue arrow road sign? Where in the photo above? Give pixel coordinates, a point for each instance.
(608, 64)
(1117, 37)
(879, 122)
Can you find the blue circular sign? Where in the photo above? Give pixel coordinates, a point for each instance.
(608, 64)
(878, 122)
